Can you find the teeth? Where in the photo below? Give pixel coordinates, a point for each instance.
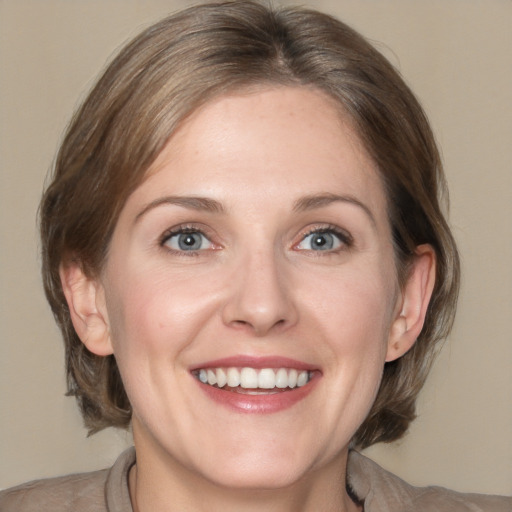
(281, 378)
(250, 378)
(302, 379)
(222, 378)
(212, 377)
(233, 380)
(292, 378)
(267, 379)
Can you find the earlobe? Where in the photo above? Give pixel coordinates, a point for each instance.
(86, 302)
(415, 298)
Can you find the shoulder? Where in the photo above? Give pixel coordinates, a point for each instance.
(384, 492)
(68, 493)
(84, 492)
(438, 498)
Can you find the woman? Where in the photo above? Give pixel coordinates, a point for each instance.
(244, 247)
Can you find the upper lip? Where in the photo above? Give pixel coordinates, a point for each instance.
(258, 363)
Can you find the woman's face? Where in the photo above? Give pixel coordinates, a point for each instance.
(257, 254)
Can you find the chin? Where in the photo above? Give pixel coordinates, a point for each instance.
(256, 477)
(270, 466)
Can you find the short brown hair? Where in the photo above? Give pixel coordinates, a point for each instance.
(166, 73)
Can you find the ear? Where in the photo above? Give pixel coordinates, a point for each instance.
(412, 308)
(86, 301)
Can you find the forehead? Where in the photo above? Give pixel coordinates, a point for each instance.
(263, 120)
(285, 140)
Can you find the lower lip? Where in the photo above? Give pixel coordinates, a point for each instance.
(261, 403)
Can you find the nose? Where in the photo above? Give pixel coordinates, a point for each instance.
(260, 298)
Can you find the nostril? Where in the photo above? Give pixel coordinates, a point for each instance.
(259, 304)
(240, 323)
(259, 328)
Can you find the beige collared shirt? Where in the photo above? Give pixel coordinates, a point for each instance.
(107, 491)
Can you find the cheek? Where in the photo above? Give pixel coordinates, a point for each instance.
(355, 317)
(356, 306)
(358, 338)
(155, 311)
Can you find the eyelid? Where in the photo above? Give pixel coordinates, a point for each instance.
(183, 229)
(344, 236)
(174, 242)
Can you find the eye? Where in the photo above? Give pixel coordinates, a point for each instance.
(323, 240)
(187, 240)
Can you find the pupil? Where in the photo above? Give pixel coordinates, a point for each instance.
(189, 241)
(323, 241)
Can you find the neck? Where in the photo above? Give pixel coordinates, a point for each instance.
(163, 486)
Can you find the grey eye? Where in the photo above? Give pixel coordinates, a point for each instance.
(190, 241)
(320, 241)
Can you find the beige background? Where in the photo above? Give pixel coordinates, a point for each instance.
(456, 54)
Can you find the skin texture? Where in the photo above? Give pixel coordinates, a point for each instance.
(268, 163)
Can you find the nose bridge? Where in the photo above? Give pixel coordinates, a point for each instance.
(260, 297)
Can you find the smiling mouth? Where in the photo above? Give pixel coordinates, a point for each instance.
(253, 381)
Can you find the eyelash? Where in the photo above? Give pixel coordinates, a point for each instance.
(344, 238)
(181, 230)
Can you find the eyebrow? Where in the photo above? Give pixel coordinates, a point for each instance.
(205, 204)
(193, 203)
(315, 201)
